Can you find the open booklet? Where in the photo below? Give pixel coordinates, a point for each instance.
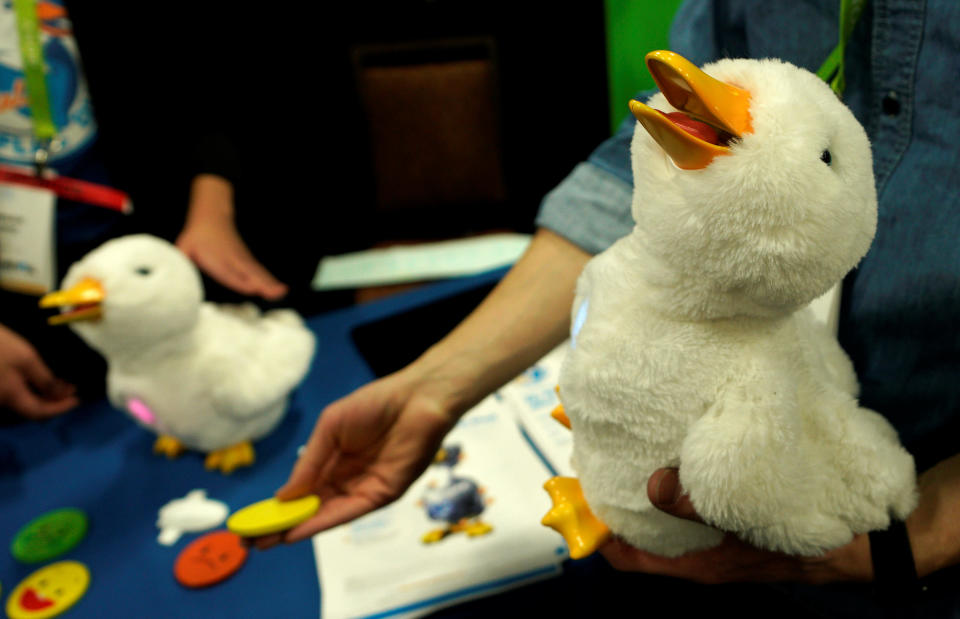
(469, 527)
(532, 397)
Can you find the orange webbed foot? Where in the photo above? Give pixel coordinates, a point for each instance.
(561, 416)
(230, 458)
(572, 518)
(168, 445)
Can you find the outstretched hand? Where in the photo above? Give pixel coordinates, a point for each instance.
(365, 451)
(210, 238)
(734, 560)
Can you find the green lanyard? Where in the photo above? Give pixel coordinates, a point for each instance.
(832, 69)
(28, 30)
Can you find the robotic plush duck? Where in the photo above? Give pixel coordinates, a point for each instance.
(203, 377)
(691, 345)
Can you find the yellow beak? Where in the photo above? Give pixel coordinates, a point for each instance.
(698, 96)
(84, 300)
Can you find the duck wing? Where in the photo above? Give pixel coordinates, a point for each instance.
(255, 360)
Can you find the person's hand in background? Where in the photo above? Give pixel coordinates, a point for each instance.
(27, 386)
(210, 238)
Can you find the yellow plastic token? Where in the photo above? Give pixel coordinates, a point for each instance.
(272, 516)
(49, 591)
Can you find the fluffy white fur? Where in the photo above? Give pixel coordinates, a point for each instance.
(212, 375)
(697, 352)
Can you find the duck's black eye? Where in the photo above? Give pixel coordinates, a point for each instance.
(143, 271)
(825, 157)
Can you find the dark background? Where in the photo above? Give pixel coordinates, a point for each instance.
(349, 124)
(342, 125)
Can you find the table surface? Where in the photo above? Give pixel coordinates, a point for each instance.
(98, 460)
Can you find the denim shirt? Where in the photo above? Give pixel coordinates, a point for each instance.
(901, 305)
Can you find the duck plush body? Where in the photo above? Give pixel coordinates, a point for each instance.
(691, 343)
(205, 377)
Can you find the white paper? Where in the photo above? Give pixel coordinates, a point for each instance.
(379, 565)
(27, 250)
(532, 396)
(424, 261)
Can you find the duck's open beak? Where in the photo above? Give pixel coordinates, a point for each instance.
(712, 112)
(82, 302)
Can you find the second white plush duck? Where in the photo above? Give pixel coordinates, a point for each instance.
(201, 376)
(754, 194)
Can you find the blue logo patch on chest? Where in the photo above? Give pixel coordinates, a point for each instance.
(578, 322)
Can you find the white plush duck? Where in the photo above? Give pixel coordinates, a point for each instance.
(201, 376)
(691, 347)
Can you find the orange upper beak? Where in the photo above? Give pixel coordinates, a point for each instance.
(84, 300)
(700, 97)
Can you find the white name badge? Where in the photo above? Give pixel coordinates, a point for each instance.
(27, 248)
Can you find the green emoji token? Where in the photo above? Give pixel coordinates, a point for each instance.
(49, 535)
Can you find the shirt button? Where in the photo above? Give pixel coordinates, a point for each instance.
(891, 104)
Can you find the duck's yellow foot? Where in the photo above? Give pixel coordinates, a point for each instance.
(230, 458)
(571, 517)
(432, 537)
(561, 416)
(476, 529)
(168, 445)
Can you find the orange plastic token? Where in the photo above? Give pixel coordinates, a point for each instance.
(210, 559)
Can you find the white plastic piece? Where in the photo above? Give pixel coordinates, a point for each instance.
(194, 512)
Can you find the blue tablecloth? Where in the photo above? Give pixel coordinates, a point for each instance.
(98, 460)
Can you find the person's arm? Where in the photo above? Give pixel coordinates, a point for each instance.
(521, 320)
(27, 386)
(367, 448)
(933, 528)
(210, 238)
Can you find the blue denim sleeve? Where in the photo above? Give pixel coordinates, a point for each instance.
(704, 31)
(590, 208)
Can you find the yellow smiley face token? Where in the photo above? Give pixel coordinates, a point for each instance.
(49, 591)
(272, 516)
